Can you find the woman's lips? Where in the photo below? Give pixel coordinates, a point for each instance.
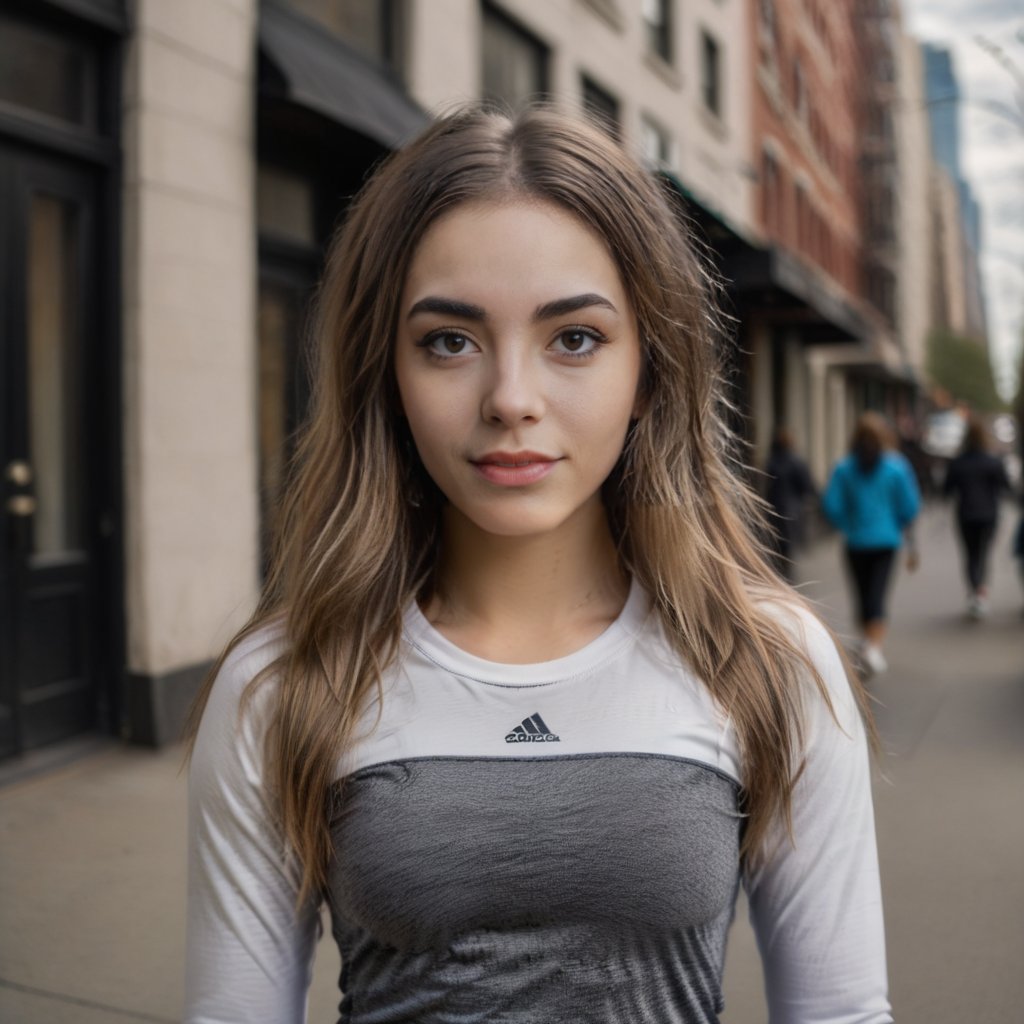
(514, 469)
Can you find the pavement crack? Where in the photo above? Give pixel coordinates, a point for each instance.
(76, 1001)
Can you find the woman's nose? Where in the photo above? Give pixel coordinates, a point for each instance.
(513, 391)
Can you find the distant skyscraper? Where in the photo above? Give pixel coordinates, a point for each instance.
(944, 99)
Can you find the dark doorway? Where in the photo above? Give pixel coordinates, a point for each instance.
(50, 551)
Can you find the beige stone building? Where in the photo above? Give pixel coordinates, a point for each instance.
(915, 206)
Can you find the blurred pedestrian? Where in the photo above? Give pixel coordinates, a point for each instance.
(977, 479)
(1018, 548)
(912, 449)
(788, 486)
(872, 498)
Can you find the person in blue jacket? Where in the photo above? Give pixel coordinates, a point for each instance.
(872, 498)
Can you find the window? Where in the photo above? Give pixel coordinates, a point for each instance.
(46, 74)
(369, 26)
(799, 92)
(771, 192)
(514, 62)
(656, 145)
(602, 106)
(658, 23)
(882, 291)
(802, 216)
(767, 31)
(284, 206)
(710, 73)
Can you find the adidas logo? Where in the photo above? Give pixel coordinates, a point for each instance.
(532, 730)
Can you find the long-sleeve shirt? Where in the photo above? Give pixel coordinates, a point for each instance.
(555, 841)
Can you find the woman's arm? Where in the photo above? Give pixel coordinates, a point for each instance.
(816, 902)
(249, 951)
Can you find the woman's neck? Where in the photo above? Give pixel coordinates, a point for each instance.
(527, 599)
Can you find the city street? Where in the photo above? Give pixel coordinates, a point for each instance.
(949, 792)
(92, 868)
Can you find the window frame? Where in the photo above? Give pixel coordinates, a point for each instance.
(658, 32)
(498, 17)
(711, 79)
(608, 111)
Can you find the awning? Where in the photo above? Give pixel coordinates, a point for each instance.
(324, 74)
(783, 288)
(714, 224)
(110, 14)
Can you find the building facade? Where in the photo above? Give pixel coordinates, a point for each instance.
(913, 140)
(804, 315)
(958, 215)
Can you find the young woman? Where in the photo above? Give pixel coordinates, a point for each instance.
(521, 701)
(977, 480)
(872, 498)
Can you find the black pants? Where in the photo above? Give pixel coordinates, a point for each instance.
(977, 539)
(870, 569)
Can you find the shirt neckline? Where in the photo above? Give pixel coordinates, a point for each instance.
(440, 650)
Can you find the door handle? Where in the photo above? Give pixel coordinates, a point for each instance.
(21, 505)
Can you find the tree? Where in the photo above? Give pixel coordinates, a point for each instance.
(961, 366)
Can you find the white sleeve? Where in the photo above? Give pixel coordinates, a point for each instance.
(249, 953)
(816, 903)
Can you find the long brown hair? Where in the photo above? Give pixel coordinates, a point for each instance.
(351, 551)
(871, 438)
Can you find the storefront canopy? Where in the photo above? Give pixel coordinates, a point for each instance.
(322, 73)
(107, 13)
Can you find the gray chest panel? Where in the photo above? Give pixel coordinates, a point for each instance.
(587, 888)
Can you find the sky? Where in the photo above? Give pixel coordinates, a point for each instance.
(992, 150)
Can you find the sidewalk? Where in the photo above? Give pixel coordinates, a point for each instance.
(949, 793)
(92, 855)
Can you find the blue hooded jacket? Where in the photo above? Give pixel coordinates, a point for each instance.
(872, 509)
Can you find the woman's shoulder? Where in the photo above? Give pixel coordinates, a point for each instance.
(812, 639)
(246, 658)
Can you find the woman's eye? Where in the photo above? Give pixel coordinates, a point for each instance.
(576, 342)
(448, 343)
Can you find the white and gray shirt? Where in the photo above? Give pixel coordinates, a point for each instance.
(549, 842)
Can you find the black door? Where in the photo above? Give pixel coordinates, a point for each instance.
(49, 386)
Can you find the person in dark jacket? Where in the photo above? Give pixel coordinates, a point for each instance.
(788, 485)
(976, 479)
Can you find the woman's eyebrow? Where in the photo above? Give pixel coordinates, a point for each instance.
(559, 307)
(447, 307)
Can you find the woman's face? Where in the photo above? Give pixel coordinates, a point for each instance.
(518, 360)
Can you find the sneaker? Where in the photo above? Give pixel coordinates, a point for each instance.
(874, 659)
(976, 607)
